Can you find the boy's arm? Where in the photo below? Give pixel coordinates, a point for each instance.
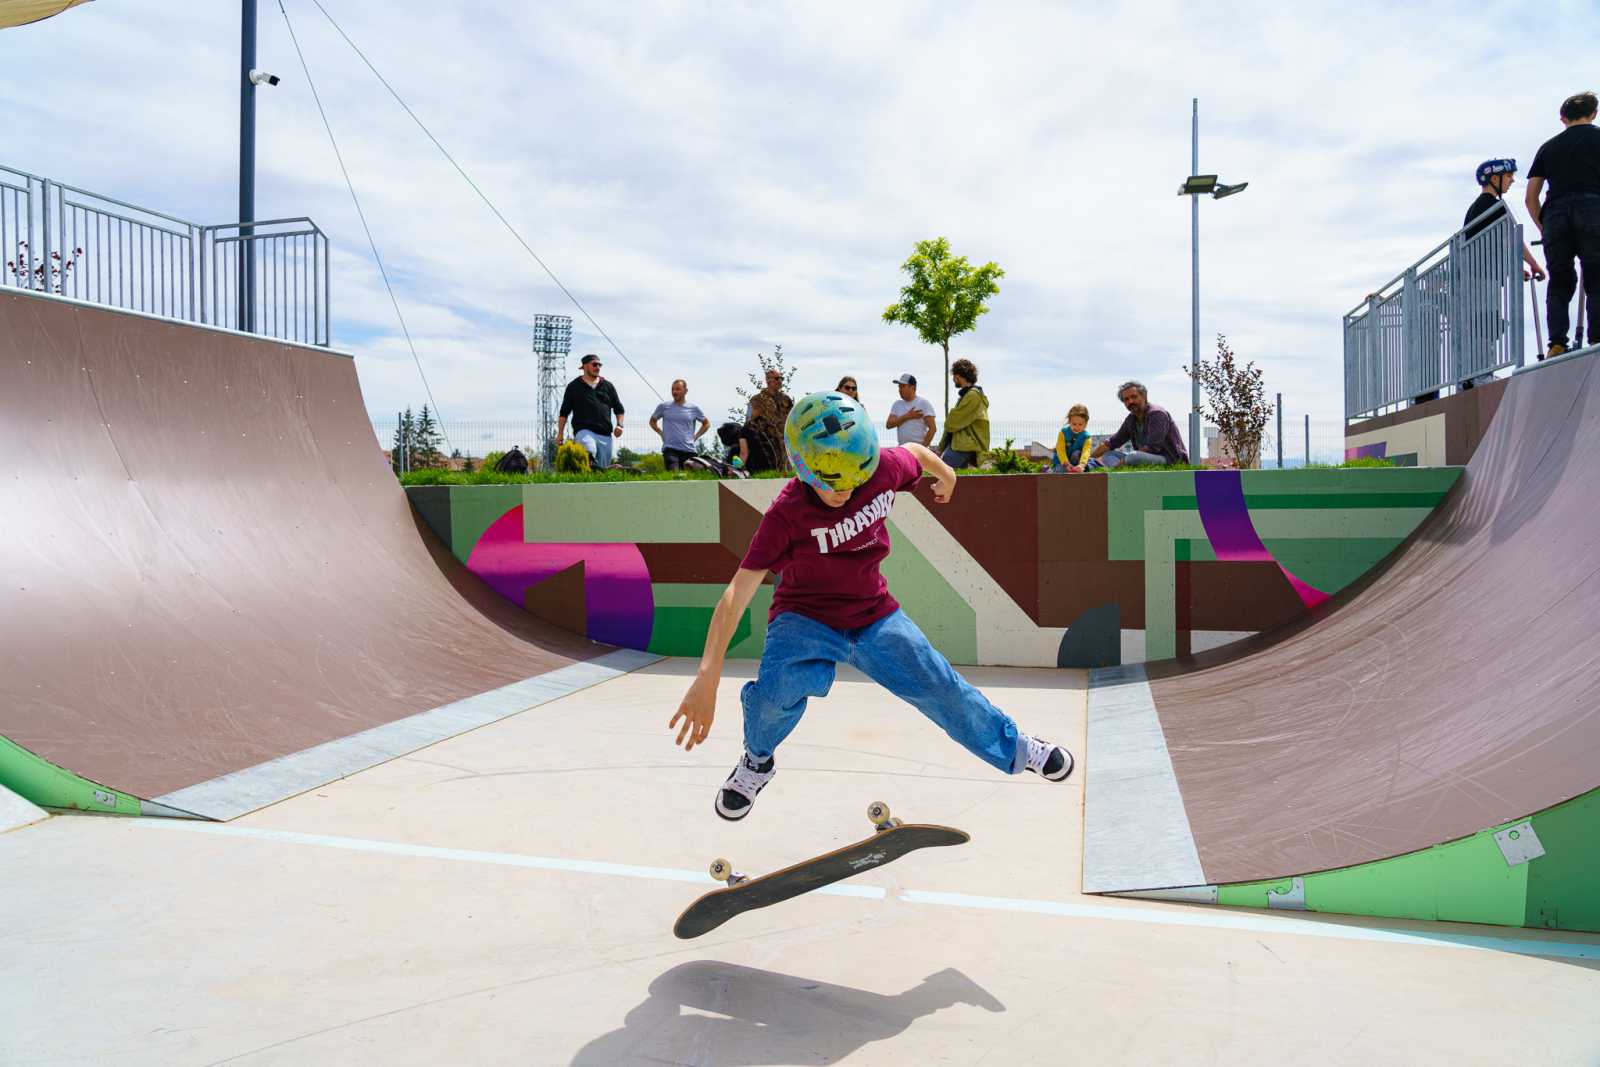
(1535, 187)
(944, 479)
(699, 704)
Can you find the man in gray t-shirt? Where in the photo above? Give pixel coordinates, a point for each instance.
(675, 422)
(912, 416)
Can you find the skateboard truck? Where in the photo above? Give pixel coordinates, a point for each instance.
(721, 869)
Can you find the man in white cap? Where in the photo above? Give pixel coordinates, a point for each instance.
(912, 415)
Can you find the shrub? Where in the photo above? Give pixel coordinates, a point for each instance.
(1008, 460)
(572, 458)
(652, 463)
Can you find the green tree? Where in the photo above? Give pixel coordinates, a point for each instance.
(425, 441)
(944, 297)
(401, 455)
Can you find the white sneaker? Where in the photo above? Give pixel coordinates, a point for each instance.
(739, 791)
(1050, 762)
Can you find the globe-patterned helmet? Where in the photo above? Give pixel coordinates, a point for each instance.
(832, 443)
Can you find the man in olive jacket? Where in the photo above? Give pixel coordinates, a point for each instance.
(966, 428)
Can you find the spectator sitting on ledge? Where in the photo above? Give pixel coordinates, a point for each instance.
(1155, 437)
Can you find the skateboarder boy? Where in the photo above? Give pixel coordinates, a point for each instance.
(825, 535)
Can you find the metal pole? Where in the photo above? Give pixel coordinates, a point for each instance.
(1280, 431)
(1194, 295)
(247, 163)
(1308, 440)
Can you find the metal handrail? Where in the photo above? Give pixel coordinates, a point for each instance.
(132, 257)
(1453, 316)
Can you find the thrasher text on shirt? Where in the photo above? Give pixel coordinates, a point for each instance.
(845, 530)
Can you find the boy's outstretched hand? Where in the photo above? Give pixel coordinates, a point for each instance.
(944, 486)
(699, 707)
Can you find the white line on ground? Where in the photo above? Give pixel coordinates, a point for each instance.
(1266, 923)
(467, 855)
(1196, 915)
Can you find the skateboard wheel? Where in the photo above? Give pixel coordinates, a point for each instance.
(878, 813)
(721, 869)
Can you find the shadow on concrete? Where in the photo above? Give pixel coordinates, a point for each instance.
(760, 1017)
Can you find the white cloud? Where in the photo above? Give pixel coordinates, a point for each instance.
(710, 180)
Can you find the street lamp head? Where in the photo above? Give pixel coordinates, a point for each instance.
(1228, 190)
(1197, 184)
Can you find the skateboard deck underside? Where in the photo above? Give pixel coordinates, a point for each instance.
(886, 846)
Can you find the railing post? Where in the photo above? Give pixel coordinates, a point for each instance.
(1372, 355)
(1514, 291)
(1410, 336)
(44, 217)
(1459, 323)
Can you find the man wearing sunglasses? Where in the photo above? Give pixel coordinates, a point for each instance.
(590, 400)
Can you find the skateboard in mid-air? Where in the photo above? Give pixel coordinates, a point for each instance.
(890, 840)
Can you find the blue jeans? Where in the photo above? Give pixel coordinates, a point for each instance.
(597, 444)
(1133, 459)
(798, 663)
(958, 459)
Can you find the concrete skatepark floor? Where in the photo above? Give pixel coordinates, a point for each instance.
(507, 896)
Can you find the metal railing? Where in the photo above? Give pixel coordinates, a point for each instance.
(1454, 315)
(62, 239)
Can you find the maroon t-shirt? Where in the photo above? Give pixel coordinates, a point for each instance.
(827, 558)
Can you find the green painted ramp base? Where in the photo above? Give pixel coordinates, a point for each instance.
(1547, 878)
(43, 783)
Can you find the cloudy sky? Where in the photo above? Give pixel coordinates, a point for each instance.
(711, 180)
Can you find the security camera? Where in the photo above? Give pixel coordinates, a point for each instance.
(261, 77)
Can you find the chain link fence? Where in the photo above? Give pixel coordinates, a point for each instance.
(475, 438)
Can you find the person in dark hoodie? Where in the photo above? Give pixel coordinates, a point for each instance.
(966, 427)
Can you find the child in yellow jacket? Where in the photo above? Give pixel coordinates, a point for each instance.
(1073, 442)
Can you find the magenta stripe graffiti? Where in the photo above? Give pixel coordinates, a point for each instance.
(618, 604)
(1220, 496)
(1377, 451)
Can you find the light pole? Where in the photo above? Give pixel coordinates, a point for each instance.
(1194, 187)
(247, 165)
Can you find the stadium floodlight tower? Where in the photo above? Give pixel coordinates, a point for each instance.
(552, 343)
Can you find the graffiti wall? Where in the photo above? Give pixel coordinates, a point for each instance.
(1024, 570)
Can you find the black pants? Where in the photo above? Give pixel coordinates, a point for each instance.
(674, 457)
(1571, 228)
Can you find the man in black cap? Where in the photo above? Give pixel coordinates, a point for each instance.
(590, 400)
(912, 415)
